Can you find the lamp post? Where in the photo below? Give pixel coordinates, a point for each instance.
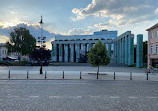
(41, 41)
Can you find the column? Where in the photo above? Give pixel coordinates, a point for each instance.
(120, 50)
(126, 50)
(54, 52)
(139, 54)
(78, 53)
(123, 48)
(66, 52)
(131, 50)
(90, 46)
(117, 51)
(60, 53)
(72, 52)
(109, 50)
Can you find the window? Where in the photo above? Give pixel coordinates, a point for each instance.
(156, 33)
(156, 51)
(151, 35)
(151, 49)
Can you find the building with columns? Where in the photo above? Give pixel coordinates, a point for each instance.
(74, 48)
(124, 48)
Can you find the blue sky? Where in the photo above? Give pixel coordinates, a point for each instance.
(68, 17)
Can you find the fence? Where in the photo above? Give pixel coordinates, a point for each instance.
(82, 75)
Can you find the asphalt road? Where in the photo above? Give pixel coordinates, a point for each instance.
(78, 95)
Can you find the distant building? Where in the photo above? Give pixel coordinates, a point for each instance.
(153, 45)
(74, 48)
(4, 54)
(3, 51)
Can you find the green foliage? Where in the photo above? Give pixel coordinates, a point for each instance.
(21, 41)
(98, 55)
(7, 63)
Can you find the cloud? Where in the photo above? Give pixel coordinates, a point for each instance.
(156, 11)
(121, 12)
(35, 30)
(3, 39)
(79, 31)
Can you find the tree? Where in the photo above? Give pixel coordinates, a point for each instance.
(98, 55)
(21, 41)
(36, 55)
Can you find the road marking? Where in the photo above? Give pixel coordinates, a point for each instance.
(34, 96)
(114, 97)
(152, 97)
(13, 96)
(133, 97)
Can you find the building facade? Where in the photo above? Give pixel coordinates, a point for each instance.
(124, 48)
(153, 46)
(74, 48)
(4, 54)
(3, 51)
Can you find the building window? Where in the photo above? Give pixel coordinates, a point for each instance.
(151, 49)
(151, 35)
(156, 49)
(156, 33)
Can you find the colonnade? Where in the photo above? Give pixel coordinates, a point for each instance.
(124, 48)
(70, 51)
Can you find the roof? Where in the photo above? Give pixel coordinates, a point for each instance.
(155, 26)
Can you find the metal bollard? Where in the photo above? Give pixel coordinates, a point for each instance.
(114, 75)
(45, 74)
(63, 74)
(80, 75)
(27, 74)
(97, 74)
(147, 76)
(130, 75)
(9, 74)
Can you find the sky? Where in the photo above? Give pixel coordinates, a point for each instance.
(75, 17)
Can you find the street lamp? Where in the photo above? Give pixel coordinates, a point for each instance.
(41, 41)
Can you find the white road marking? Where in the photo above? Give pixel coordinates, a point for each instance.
(152, 97)
(133, 97)
(34, 96)
(114, 97)
(13, 96)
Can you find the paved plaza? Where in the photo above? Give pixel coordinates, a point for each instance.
(73, 72)
(78, 95)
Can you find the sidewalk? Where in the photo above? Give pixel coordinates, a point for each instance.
(88, 75)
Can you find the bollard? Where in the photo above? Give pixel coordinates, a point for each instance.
(9, 74)
(80, 75)
(97, 74)
(147, 76)
(27, 74)
(130, 75)
(45, 74)
(114, 75)
(63, 74)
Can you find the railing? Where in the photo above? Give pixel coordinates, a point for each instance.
(82, 75)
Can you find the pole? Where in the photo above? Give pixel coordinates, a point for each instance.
(130, 75)
(80, 75)
(147, 76)
(114, 75)
(45, 74)
(9, 74)
(63, 74)
(27, 74)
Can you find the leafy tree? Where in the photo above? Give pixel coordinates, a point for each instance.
(98, 55)
(36, 55)
(21, 41)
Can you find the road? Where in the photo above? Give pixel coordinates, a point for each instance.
(78, 95)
